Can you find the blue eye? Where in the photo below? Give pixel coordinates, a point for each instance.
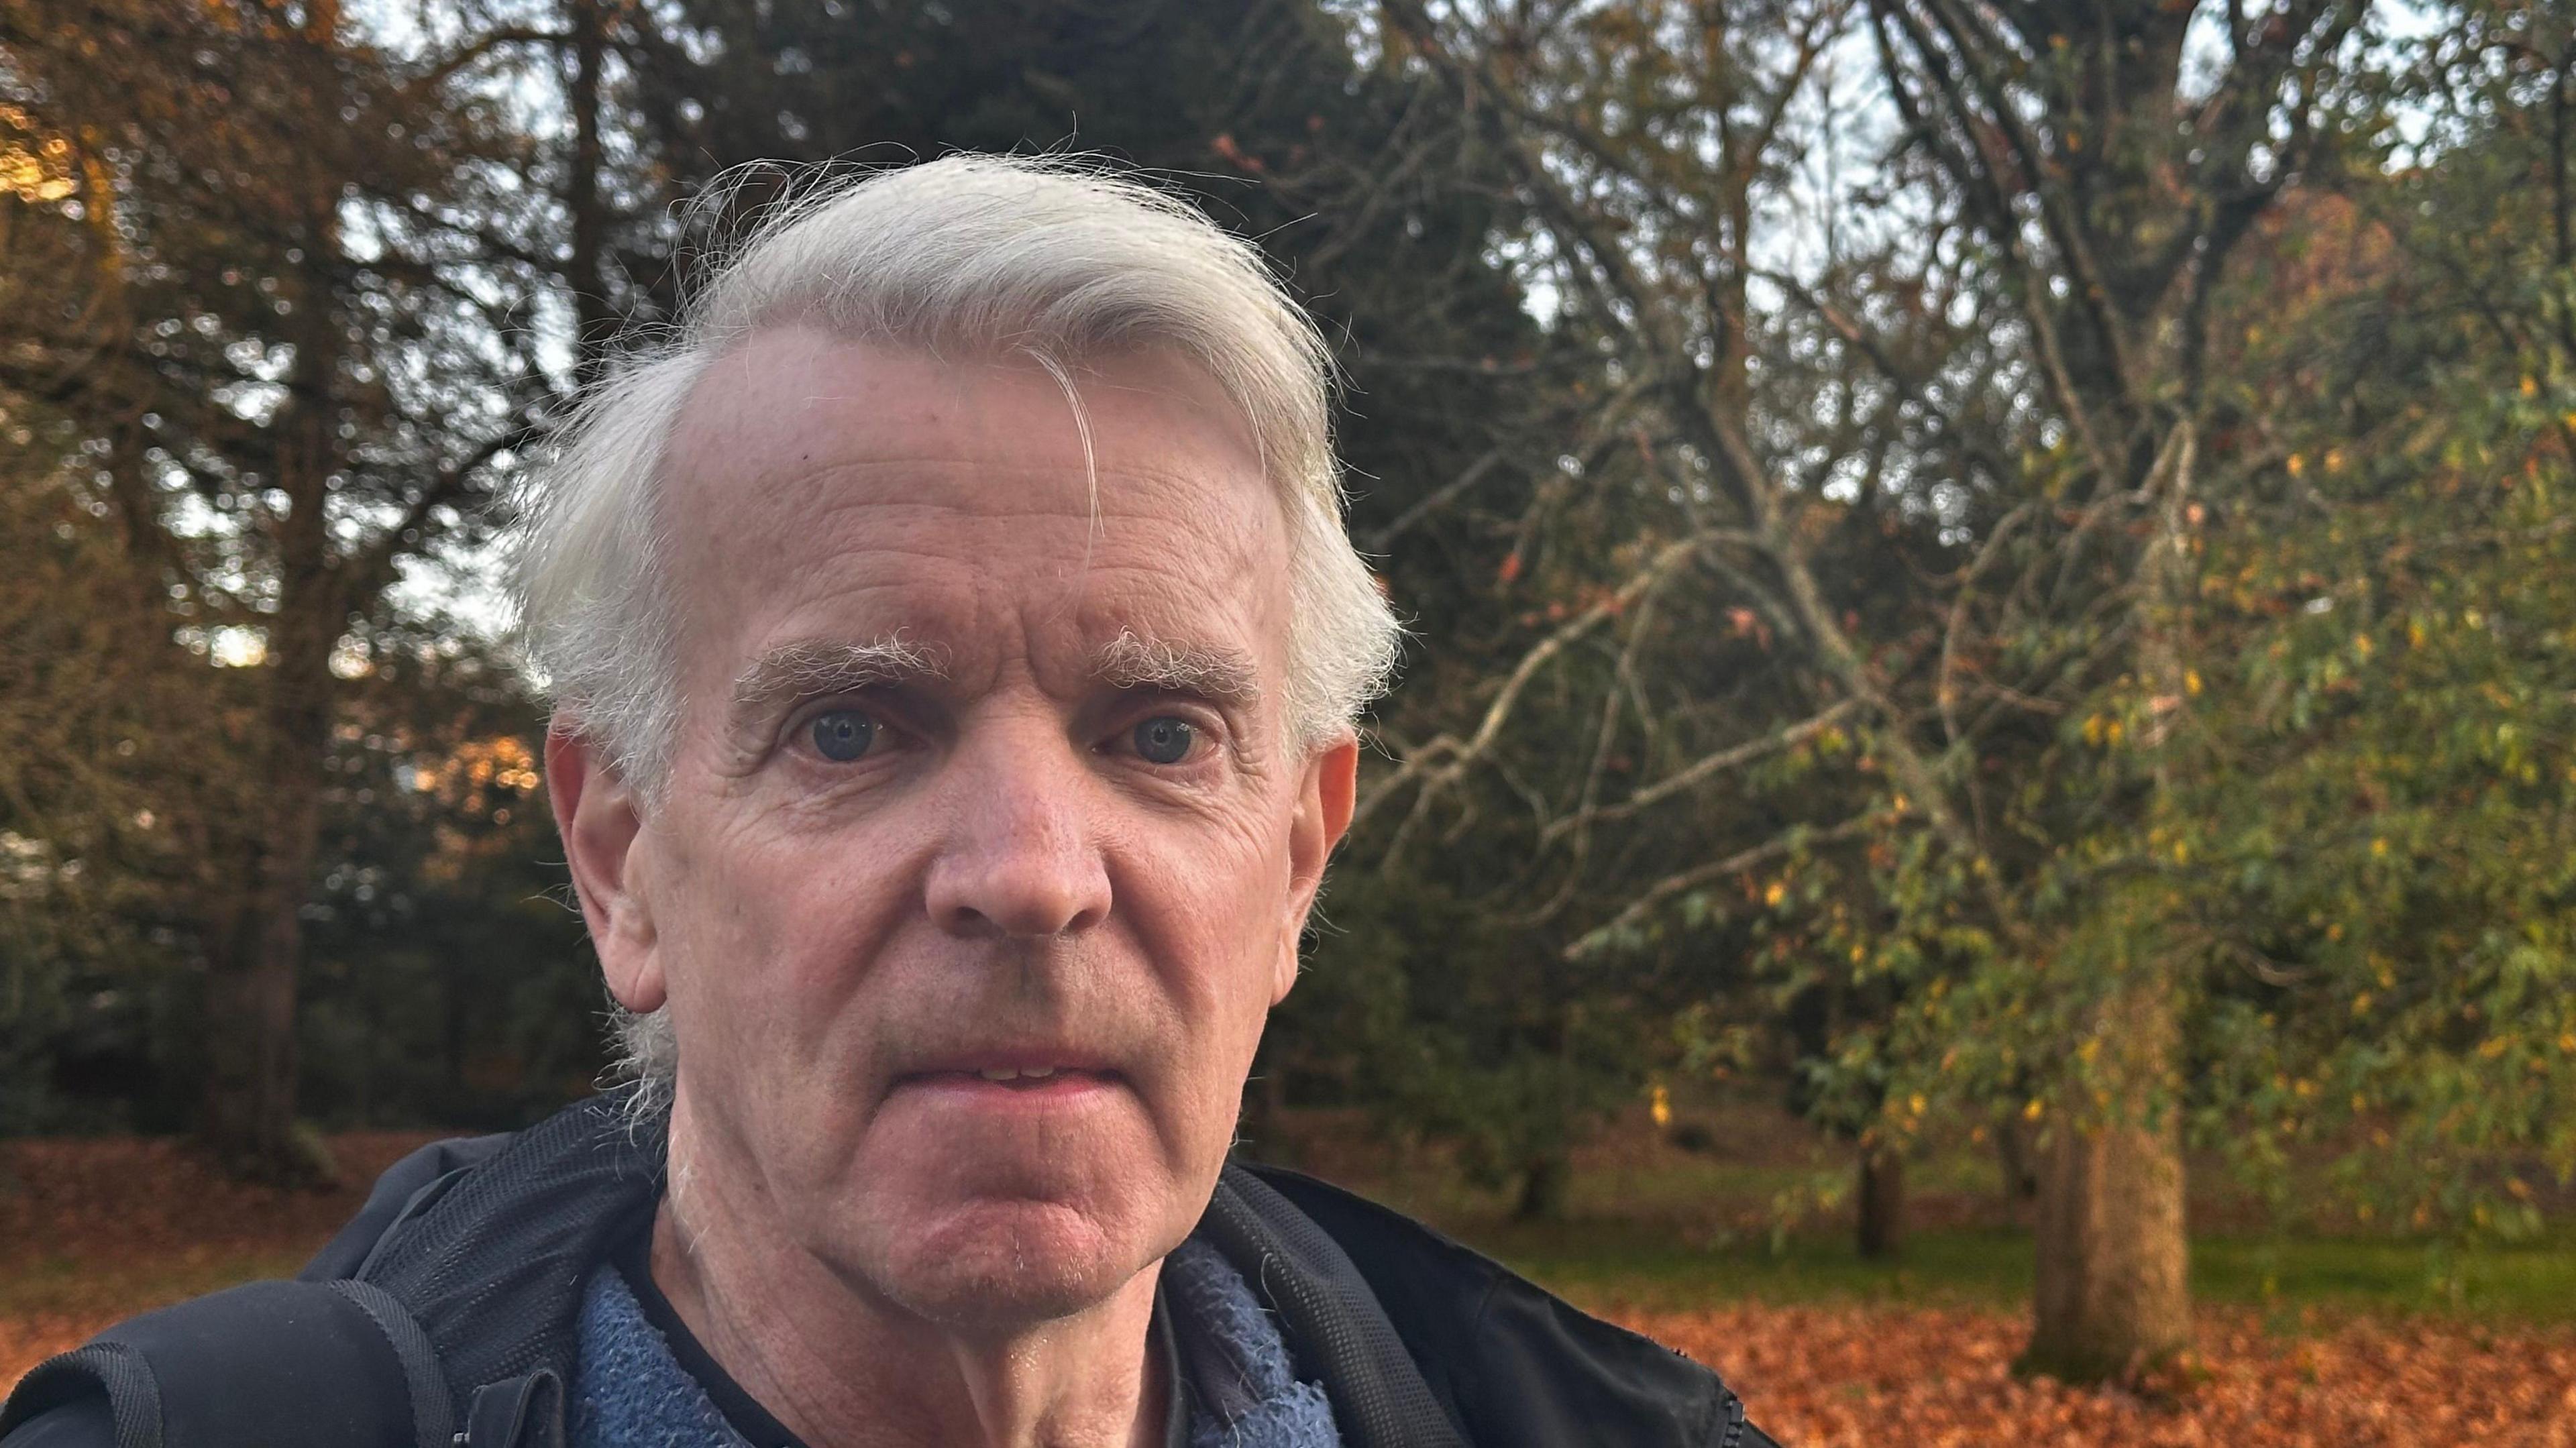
(1165, 740)
(843, 734)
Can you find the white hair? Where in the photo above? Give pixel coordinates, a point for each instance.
(1051, 259)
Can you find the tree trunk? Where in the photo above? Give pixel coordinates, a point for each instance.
(1882, 1202)
(250, 1108)
(2113, 1296)
(250, 1115)
(1543, 1185)
(250, 1045)
(2015, 1153)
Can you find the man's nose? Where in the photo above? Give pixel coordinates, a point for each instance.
(1020, 857)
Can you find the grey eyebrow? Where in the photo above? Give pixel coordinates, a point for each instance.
(813, 668)
(1225, 675)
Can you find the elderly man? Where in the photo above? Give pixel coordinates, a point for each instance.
(956, 647)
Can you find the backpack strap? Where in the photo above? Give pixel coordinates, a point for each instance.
(448, 1303)
(271, 1364)
(78, 1380)
(491, 1259)
(523, 1412)
(432, 1418)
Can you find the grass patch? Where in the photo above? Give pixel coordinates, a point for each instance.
(1599, 1263)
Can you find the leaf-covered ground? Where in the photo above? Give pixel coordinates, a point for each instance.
(91, 1231)
(1826, 1377)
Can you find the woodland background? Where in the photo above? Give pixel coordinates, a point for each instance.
(1992, 586)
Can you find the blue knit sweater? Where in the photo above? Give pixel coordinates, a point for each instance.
(630, 1391)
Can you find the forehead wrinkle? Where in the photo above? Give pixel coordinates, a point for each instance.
(813, 666)
(1131, 662)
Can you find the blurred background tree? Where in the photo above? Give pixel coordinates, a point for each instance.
(1951, 434)
(250, 311)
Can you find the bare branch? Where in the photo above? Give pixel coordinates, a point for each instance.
(1443, 760)
(1799, 838)
(1703, 769)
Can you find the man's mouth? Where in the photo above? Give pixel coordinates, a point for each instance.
(1023, 1077)
(1033, 1075)
(1026, 1073)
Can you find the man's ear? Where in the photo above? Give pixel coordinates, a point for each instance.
(1325, 798)
(595, 812)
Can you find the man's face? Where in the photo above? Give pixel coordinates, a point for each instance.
(985, 844)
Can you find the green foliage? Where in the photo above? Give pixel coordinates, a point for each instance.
(1444, 1020)
(449, 981)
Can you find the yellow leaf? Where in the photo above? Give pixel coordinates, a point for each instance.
(1662, 1106)
(2032, 1111)
(2191, 681)
(1779, 890)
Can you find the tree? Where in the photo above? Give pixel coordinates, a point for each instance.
(447, 979)
(94, 858)
(2380, 801)
(265, 271)
(1941, 456)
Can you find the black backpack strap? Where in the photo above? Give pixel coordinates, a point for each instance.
(523, 1412)
(450, 1302)
(493, 1268)
(433, 1418)
(102, 1372)
(266, 1365)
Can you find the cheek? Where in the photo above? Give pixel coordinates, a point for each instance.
(766, 944)
(1206, 904)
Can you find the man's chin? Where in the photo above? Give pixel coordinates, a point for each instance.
(1003, 1264)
